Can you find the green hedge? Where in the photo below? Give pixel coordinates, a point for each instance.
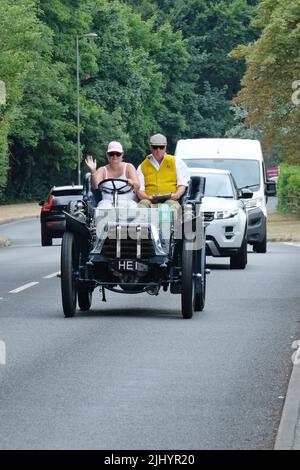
(288, 190)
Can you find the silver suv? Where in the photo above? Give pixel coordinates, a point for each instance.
(223, 208)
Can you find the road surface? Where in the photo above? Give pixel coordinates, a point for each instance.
(131, 373)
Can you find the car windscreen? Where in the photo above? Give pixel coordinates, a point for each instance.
(217, 185)
(245, 172)
(66, 192)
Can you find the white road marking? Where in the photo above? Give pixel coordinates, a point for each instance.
(21, 245)
(292, 244)
(51, 275)
(2, 353)
(21, 288)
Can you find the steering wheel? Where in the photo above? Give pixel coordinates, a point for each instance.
(114, 189)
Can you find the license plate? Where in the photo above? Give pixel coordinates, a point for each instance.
(129, 265)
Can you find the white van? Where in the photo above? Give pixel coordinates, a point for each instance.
(244, 159)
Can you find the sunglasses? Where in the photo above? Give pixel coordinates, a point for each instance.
(155, 147)
(112, 154)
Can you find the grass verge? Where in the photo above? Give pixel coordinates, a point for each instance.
(283, 228)
(12, 212)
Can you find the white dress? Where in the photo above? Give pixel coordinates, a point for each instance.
(124, 200)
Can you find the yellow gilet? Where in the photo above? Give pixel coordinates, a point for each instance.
(160, 181)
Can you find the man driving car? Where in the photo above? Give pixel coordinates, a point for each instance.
(161, 174)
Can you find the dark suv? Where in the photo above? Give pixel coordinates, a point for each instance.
(52, 217)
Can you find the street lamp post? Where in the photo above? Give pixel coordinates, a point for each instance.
(2, 92)
(87, 35)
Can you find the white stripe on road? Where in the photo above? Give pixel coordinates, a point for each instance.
(292, 244)
(30, 284)
(51, 275)
(26, 286)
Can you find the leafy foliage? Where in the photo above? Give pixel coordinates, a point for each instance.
(272, 67)
(20, 33)
(156, 66)
(289, 189)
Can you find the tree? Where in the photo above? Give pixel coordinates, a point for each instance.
(127, 83)
(43, 136)
(210, 30)
(272, 67)
(20, 33)
(156, 66)
(142, 75)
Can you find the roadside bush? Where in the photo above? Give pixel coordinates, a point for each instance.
(289, 189)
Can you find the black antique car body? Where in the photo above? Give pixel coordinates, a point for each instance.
(134, 250)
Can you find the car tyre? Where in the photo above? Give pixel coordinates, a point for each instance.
(45, 239)
(239, 261)
(68, 282)
(200, 296)
(261, 247)
(84, 298)
(187, 281)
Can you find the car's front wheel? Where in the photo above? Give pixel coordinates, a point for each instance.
(187, 281)
(68, 267)
(261, 247)
(200, 296)
(239, 261)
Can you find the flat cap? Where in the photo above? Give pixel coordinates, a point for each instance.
(158, 139)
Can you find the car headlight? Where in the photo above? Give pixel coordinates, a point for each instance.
(252, 203)
(226, 214)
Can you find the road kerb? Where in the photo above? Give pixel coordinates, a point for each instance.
(288, 436)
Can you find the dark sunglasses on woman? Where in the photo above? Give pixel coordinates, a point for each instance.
(161, 147)
(112, 154)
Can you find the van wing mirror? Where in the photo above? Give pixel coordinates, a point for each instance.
(245, 193)
(271, 188)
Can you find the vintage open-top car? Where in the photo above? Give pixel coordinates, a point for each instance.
(133, 250)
